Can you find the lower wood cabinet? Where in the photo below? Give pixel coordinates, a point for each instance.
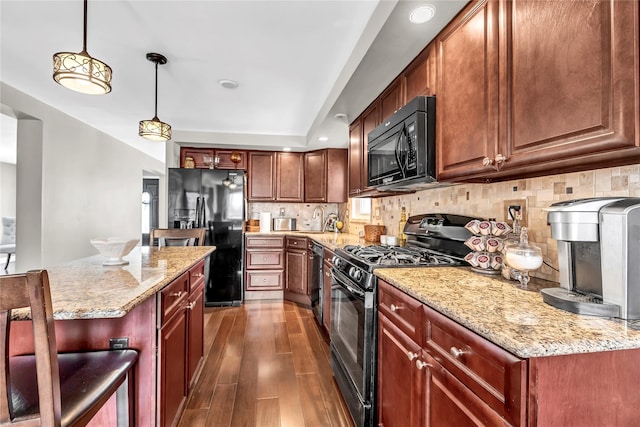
(264, 263)
(297, 270)
(400, 383)
(434, 372)
(180, 341)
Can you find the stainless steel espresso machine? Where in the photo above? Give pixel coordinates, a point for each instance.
(598, 256)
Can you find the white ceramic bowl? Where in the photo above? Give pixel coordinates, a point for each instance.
(114, 248)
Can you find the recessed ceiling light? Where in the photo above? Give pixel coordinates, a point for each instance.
(422, 14)
(341, 116)
(323, 139)
(286, 149)
(228, 84)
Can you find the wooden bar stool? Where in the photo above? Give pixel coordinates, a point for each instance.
(69, 388)
(177, 236)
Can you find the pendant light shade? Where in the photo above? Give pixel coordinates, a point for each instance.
(155, 129)
(79, 71)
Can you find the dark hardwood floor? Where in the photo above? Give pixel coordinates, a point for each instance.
(266, 364)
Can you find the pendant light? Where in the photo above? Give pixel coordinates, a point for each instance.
(81, 72)
(155, 129)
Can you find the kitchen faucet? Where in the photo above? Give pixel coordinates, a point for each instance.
(315, 214)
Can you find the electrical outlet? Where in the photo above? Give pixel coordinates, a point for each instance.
(516, 207)
(118, 343)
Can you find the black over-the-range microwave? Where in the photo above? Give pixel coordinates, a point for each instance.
(401, 150)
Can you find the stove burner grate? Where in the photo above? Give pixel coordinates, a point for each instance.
(395, 256)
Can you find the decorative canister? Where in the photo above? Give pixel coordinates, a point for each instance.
(189, 162)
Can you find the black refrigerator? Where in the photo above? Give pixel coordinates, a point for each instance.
(214, 199)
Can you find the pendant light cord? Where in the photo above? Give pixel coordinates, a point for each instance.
(156, 104)
(84, 39)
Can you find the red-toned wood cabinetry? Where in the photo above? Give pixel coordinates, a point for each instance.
(261, 176)
(289, 177)
(297, 270)
(265, 262)
(515, 99)
(325, 176)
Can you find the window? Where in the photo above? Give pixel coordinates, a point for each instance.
(361, 210)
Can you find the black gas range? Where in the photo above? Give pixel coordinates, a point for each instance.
(433, 240)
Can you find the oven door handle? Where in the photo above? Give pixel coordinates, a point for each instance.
(342, 281)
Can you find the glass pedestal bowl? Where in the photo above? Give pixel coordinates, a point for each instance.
(523, 258)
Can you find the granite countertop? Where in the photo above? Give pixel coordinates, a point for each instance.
(85, 289)
(329, 240)
(514, 319)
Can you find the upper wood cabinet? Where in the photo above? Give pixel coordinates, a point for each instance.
(224, 156)
(225, 159)
(355, 158)
(325, 176)
(419, 78)
(197, 154)
(261, 176)
(467, 104)
(391, 99)
(524, 101)
(290, 177)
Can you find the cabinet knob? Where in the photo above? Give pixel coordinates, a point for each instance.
(176, 294)
(394, 308)
(496, 162)
(295, 243)
(456, 352)
(421, 365)
(198, 275)
(264, 258)
(264, 280)
(191, 305)
(412, 356)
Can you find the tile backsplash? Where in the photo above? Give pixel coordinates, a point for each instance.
(302, 212)
(487, 201)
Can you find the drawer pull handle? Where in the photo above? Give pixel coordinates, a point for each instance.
(295, 243)
(394, 308)
(412, 356)
(264, 280)
(264, 258)
(191, 305)
(198, 275)
(456, 352)
(176, 294)
(421, 365)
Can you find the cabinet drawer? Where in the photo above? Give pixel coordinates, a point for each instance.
(265, 259)
(196, 275)
(265, 242)
(172, 297)
(296, 242)
(492, 373)
(404, 311)
(264, 280)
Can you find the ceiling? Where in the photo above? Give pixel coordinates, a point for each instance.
(297, 64)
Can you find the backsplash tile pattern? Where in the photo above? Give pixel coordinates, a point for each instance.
(486, 201)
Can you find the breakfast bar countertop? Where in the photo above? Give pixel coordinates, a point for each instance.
(515, 319)
(85, 289)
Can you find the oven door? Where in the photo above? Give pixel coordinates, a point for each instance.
(353, 347)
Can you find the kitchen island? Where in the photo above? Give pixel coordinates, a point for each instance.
(488, 350)
(155, 302)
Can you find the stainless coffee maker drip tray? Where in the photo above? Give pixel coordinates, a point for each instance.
(579, 303)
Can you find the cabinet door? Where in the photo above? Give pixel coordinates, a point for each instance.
(225, 159)
(290, 177)
(315, 176)
(391, 99)
(198, 155)
(336, 175)
(467, 105)
(296, 272)
(195, 328)
(400, 382)
(448, 403)
(355, 158)
(573, 82)
(370, 119)
(172, 353)
(420, 75)
(261, 176)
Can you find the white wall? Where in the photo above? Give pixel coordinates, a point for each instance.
(7, 190)
(90, 183)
